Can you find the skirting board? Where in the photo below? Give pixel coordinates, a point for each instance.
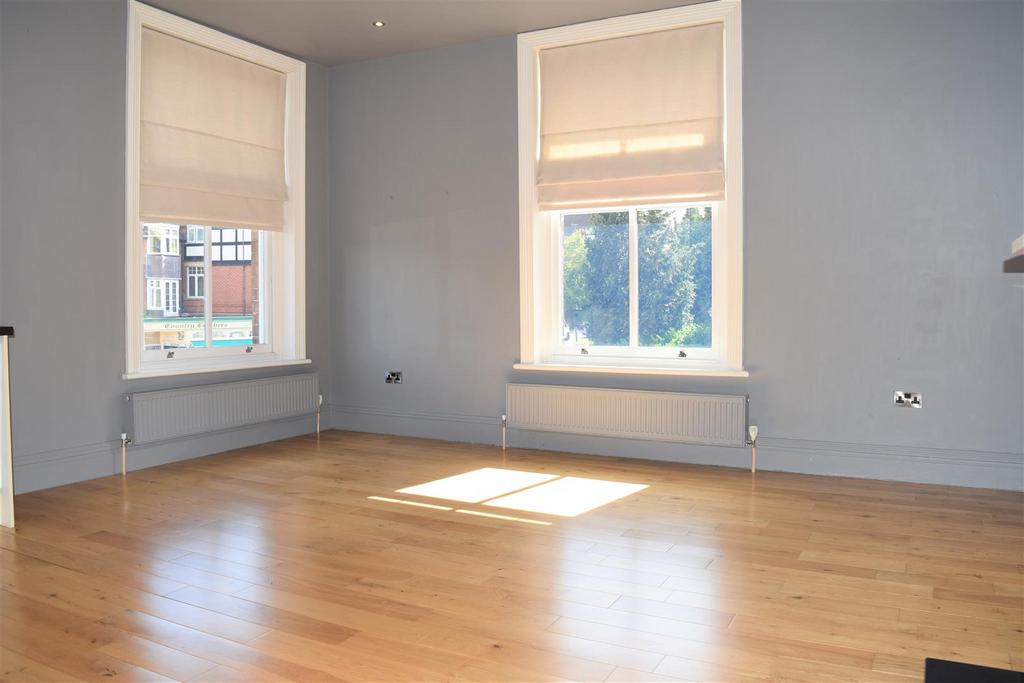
(66, 466)
(978, 469)
(428, 425)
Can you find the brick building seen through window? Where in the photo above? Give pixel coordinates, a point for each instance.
(178, 285)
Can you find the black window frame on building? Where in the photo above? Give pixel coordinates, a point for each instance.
(218, 245)
(196, 252)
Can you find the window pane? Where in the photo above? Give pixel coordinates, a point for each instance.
(179, 288)
(675, 276)
(171, 320)
(171, 298)
(595, 279)
(237, 297)
(154, 295)
(196, 280)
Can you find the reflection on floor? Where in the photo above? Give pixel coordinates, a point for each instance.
(296, 561)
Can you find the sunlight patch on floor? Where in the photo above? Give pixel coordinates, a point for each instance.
(409, 502)
(567, 497)
(478, 485)
(547, 494)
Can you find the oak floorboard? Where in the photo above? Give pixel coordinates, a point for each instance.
(273, 563)
(17, 668)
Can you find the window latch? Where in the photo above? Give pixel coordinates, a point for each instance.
(682, 354)
(170, 354)
(248, 349)
(584, 352)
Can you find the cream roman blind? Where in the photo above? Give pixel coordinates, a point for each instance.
(212, 137)
(632, 120)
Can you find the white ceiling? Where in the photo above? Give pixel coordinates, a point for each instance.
(336, 31)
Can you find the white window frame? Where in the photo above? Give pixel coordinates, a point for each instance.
(195, 236)
(160, 286)
(172, 286)
(198, 276)
(282, 272)
(540, 297)
(568, 353)
(154, 285)
(167, 236)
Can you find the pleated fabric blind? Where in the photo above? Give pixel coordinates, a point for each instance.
(212, 137)
(632, 120)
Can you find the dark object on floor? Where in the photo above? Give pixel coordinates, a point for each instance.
(943, 671)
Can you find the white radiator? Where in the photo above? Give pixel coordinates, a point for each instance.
(174, 413)
(709, 419)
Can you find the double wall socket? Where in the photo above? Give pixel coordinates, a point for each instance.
(393, 377)
(907, 399)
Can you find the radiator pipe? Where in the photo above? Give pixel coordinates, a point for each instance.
(504, 431)
(319, 403)
(124, 453)
(752, 431)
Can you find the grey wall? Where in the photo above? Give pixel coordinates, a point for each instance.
(423, 205)
(883, 181)
(62, 70)
(883, 148)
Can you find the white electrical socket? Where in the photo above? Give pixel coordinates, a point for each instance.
(907, 399)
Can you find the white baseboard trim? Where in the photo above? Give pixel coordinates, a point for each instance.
(953, 467)
(46, 469)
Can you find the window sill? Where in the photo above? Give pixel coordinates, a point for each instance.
(208, 367)
(632, 370)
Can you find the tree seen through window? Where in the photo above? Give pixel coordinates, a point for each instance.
(674, 277)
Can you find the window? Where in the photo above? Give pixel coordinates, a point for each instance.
(631, 194)
(162, 239)
(637, 281)
(170, 297)
(154, 295)
(196, 282)
(232, 245)
(215, 184)
(162, 296)
(225, 301)
(195, 239)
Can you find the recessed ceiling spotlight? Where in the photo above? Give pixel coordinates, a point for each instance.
(379, 24)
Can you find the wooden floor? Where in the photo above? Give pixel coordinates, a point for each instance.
(271, 563)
